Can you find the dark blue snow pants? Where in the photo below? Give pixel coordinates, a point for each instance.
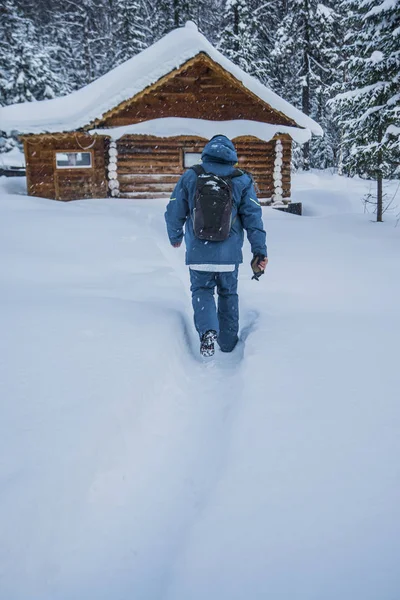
(226, 321)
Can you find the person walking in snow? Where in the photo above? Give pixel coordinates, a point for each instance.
(214, 202)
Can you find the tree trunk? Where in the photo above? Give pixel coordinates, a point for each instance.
(305, 81)
(379, 199)
(340, 153)
(236, 22)
(379, 179)
(176, 13)
(285, 7)
(236, 19)
(88, 65)
(306, 110)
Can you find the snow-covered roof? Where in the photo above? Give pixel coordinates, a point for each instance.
(83, 106)
(175, 126)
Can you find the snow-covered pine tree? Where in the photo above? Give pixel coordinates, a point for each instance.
(54, 38)
(132, 32)
(87, 22)
(183, 10)
(25, 75)
(239, 39)
(368, 110)
(169, 14)
(292, 51)
(30, 76)
(58, 40)
(40, 12)
(10, 24)
(207, 16)
(328, 33)
(25, 68)
(305, 66)
(266, 19)
(10, 21)
(162, 18)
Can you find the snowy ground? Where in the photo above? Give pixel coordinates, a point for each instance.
(129, 469)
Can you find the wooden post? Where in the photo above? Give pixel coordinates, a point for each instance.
(305, 82)
(379, 201)
(379, 179)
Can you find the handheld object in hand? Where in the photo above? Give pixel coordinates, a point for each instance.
(255, 265)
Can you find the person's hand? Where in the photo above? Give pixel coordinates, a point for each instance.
(176, 245)
(258, 264)
(263, 264)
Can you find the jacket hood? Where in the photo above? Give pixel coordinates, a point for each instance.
(220, 149)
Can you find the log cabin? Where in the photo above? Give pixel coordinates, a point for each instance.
(132, 132)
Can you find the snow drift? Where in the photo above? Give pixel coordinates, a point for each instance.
(131, 469)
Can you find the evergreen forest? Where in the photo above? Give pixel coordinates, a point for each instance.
(338, 62)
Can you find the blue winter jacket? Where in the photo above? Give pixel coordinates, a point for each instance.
(219, 157)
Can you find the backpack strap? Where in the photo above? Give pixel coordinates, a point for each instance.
(198, 169)
(236, 173)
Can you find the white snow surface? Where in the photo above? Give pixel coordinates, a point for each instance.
(81, 107)
(325, 11)
(175, 126)
(131, 469)
(387, 5)
(376, 57)
(361, 91)
(393, 130)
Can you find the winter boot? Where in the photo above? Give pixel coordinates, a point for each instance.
(208, 340)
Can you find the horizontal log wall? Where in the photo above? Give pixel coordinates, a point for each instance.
(200, 91)
(45, 180)
(149, 167)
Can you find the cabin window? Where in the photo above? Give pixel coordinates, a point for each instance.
(74, 160)
(191, 158)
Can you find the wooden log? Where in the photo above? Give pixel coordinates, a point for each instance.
(147, 158)
(134, 178)
(148, 169)
(144, 187)
(144, 195)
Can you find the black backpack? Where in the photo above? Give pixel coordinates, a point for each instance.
(213, 203)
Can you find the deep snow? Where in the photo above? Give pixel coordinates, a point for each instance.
(130, 469)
